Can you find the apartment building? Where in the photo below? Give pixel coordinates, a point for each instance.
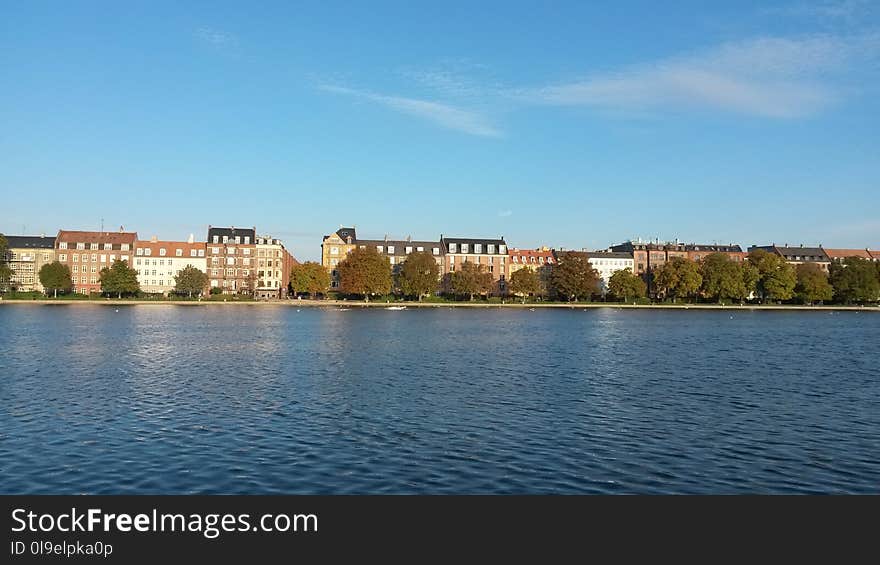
(606, 263)
(87, 252)
(231, 259)
(157, 262)
(491, 253)
(798, 255)
(273, 268)
(26, 255)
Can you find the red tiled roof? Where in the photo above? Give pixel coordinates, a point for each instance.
(72, 236)
(844, 253)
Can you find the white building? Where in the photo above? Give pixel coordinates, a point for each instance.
(157, 262)
(607, 263)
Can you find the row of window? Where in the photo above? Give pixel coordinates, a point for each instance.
(478, 248)
(237, 239)
(230, 251)
(62, 257)
(531, 259)
(95, 246)
(146, 251)
(85, 280)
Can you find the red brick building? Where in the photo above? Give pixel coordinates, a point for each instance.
(87, 252)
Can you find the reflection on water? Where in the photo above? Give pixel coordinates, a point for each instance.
(214, 399)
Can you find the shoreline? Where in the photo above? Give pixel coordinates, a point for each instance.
(335, 304)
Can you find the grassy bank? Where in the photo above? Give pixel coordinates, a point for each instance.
(336, 304)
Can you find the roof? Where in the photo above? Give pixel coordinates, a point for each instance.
(677, 246)
(799, 253)
(29, 242)
(445, 242)
(169, 246)
(525, 254)
(607, 255)
(72, 236)
(844, 253)
(713, 248)
(875, 254)
(232, 232)
(399, 245)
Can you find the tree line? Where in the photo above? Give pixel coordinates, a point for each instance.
(762, 277)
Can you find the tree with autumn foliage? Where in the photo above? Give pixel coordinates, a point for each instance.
(364, 272)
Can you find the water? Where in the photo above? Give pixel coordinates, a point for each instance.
(238, 399)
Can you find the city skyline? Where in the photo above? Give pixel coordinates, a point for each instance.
(577, 127)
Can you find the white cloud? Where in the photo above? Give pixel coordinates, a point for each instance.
(442, 115)
(770, 77)
(215, 37)
(505, 213)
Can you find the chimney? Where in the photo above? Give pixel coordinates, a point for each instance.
(121, 229)
(191, 239)
(154, 239)
(42, 235)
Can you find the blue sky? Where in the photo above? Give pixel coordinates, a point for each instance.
(550, 123)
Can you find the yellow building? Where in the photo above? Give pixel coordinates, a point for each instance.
(334, 248)
(26, 255)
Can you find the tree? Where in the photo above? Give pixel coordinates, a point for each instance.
(855, 280)
(574, 278)
(680, 277)
(470, 279)
(723, 278)
(625, 285)
(418, 275)
(365, 272)
(119, 279)
(190, 280)
(812, 283)
(310, 277)
(525, 282)
(776, 279)
(5, 269)
(55, 276)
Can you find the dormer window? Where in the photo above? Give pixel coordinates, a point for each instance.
(453, 248)
(490, 248)
(391, 250)
(502, 249)
(464, 247)
(161, 251)
(478, 248)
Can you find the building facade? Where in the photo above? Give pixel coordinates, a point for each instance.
(87, 252)
(157, 262)
(798, 255)
(840, 255)
(26, 255)
(540, 259)
(648, 256)
(231, 259)
(273, 268)
(336, 247)
(606, 263)
(491, 253)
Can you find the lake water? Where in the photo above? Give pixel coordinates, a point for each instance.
(238, 399)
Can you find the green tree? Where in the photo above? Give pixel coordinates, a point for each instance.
(625, 285)
(471, 279)
(419, 275)
(812, 283)
(190, 280)
(855, 280)
(680, 277)
(5, 269)
(776, 279)
(365, 272)
(310, 277)
(723, 278)
(574, 278)
(525, 282)
(119, 279)
(55, 276)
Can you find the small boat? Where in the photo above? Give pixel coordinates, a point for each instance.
(396, 308)
(342, 309)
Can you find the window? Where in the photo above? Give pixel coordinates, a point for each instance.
(247, 261)
(94, 258)
(334, 262)
(124, 258)
(94, 268)
(80, 245)
(215, 272)
(161, 251)
(230, 261)
(230, 251)
(464, 247)
(201, 252)
(246, 251)
(453, 248)
(490, 248)
(93, 246)
(148, 252)
(408, 250)
(76, 258)
(391, 249)
(247, 239)
(502, 249)
(478, 248)
(76, 268)
(124, 247)
(391, 259)
(161, 261)
(436, 251)
(62, 245)
(238, 240)
(225, 239)
(62, 257)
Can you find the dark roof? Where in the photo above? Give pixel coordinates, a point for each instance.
(232, 232)
(30, 242)
(399, 245)
(607, 255)
(816, 254)
(471, 241)
(713, 247)
(672, 246)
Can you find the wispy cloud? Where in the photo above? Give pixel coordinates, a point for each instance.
(769, 77)
(443, 115)
(505, 213)
(215, 37)
(848, 10)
